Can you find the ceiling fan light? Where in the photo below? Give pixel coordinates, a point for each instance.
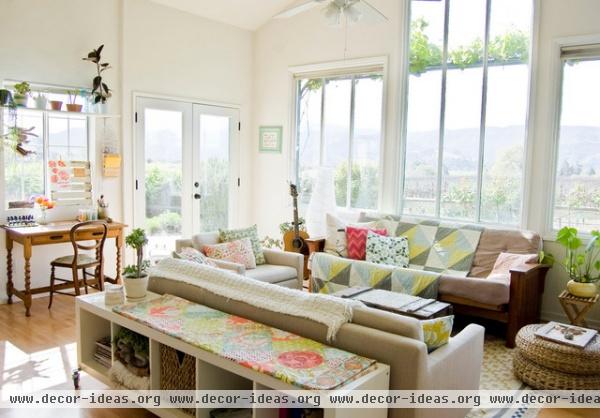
(353, 14)
(333, 14)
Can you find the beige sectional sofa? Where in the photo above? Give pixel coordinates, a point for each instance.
(282, 268)
(513, 299)
(388, 338)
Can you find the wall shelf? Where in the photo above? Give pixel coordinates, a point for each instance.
(65, 113)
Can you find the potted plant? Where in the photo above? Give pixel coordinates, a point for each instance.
(136, 278)
(41, 101)
(100, 91)
(56, 104)
(582, 262)
(72, 106)
(22, 91)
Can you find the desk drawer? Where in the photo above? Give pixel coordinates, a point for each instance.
(50, 238)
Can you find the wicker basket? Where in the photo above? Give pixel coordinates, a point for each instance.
(559, 357)
(177, 372)
(539, 377)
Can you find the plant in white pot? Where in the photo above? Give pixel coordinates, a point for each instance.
(135, 276)
(582, 262)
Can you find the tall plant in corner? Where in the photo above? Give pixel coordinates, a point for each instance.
(100, 90)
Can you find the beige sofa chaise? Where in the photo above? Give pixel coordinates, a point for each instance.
(388, 338)
(514, 299)
(282, 268)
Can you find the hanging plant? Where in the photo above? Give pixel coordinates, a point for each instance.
(16, 138)
(100, 90)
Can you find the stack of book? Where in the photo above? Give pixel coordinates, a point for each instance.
(103, 352)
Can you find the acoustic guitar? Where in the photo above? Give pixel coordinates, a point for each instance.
(294, 240)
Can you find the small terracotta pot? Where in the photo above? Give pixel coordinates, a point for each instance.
(74, 107)
(56, 104)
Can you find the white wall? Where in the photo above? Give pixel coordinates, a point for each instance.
(305, 39)
(174, 53)
(44, 42)
(558, 19)
(153, 49)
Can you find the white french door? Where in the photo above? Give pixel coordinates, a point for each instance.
(186, 170)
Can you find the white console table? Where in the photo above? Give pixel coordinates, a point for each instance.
(96, 320)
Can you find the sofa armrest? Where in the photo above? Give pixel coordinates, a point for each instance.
(183, 243)
(286, 258)
(529, 268)
(228, 265)
(528, 272)
(462, 356)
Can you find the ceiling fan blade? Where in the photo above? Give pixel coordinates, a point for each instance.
(369, 12)
(301, 8)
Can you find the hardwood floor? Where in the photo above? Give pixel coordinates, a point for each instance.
(39, 352)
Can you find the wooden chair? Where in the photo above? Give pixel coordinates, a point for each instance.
(82, 262)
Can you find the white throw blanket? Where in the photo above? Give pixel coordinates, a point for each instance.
(328, 310)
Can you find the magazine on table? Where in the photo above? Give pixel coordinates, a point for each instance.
(566, 334)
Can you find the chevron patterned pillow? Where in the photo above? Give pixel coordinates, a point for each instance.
(356, 238)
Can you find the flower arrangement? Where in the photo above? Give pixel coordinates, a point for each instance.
(43, 204)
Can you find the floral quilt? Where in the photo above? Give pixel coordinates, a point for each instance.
(293, 359)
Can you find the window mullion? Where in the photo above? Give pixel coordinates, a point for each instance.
(442, 128)
(482, 123)
(351, 144)
(45, 146)
(322, 130)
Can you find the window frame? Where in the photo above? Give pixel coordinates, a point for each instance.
(45, 137)
(557, 83)
(350, 68)
(528, 139)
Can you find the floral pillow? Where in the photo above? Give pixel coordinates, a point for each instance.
(239, 252)
(356, 238)
(387, 250)
(436, 332)
(228, 235)
(192, 254)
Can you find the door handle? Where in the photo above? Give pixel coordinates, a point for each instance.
(197, 196)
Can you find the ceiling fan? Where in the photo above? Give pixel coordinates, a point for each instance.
(335, 10)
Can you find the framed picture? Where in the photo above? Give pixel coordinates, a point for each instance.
(270, 139)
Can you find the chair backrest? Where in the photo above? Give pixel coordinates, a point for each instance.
(99, 231)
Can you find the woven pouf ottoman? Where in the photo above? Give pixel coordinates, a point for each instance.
(544, 364)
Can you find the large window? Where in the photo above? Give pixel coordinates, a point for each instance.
(577, 190)
(55, 137)
(467, 109)
(339, 122)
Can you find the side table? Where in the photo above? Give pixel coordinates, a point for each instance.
(576, 308)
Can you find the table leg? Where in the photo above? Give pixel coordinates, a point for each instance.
(27, 293)
(119, 245)
(9, 275)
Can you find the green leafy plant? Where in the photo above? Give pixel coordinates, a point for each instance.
(22, 88)
(269, 242)
(137, 240)
(16, 138)
(582, 262)
(138, 342)
(100, 89)
(289, 226)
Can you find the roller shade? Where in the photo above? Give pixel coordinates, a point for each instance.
(580, 52)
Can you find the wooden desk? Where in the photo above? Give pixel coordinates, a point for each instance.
(54, 233)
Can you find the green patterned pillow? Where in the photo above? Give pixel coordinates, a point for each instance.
(436, 332)
(228, 235)
(392, 251)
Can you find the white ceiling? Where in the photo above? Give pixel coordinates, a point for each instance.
(246, 14)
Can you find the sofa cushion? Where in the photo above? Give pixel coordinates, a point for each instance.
(387, 250)
(491, 291)
(507, 261)
(357, 240)
(436, 332)
(495, 241)
(228, 235)
(335, 241)
(239, 251)
(270, 273)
